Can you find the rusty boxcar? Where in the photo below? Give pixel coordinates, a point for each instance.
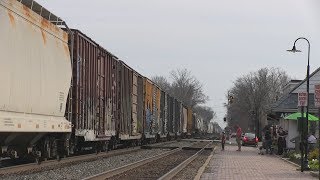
(149, 103)
(94, 94)
(131, 103)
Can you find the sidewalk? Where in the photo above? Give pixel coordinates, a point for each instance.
(247, 165)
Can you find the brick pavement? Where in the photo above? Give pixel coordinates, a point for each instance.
(247, 165)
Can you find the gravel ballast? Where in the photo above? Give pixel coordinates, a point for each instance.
(189, 172)
(155, 169)
(86, 169)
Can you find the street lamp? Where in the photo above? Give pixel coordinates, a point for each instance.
(294, 50)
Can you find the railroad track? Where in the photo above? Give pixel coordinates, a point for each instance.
(163, 166)
(53, 164)
(9, 166)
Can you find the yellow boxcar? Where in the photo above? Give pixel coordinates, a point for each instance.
(189, 122)
(148, 105)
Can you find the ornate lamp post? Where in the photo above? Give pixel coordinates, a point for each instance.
(305, 134)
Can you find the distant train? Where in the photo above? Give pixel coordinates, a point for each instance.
(62, 93)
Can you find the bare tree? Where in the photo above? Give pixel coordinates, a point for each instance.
(253, 94)
(162, 82)
(187, 88)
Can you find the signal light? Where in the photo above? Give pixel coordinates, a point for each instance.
(230, 99)
(224, 119)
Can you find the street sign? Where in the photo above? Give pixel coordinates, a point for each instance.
(302, 99)
(317, 95)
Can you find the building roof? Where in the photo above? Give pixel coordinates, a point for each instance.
(289, 102)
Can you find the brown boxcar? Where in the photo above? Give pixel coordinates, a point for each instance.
(163, 118)
(93, 98)
(170, 115)
(177, 115)
(131, 100)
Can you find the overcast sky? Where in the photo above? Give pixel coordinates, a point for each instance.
(217, 40)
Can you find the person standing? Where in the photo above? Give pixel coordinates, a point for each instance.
(281, 140)
(238, 137)
(223, 140)
(268, 142)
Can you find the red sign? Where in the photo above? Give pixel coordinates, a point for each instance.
(317, 95)
(302, 99)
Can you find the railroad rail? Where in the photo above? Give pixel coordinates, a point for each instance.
(114, 172)
(20, 168)
(181, 166)
(148, 166)
(52, 164)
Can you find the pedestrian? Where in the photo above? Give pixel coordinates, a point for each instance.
(268, 142)
(223, 140)
(281, 140)
(238, 137)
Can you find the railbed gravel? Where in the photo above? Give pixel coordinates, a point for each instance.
(155, 169)
(189, 172)
(86, 169)
(175, 144)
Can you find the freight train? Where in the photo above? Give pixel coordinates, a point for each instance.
(63, 93)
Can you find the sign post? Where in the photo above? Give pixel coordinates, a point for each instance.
(317, 105)
(302, 102)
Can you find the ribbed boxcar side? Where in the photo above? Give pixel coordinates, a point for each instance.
(131, 104)
(184, 119)
(156, 109)
(148, 112)
(190, 124)
(170, 124)
(125, 100)
(178, 117)
(166, 113)
(137, 105)
(94, 92)
(163, 118)
(140, 104)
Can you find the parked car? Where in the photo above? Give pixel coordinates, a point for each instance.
(249, 139)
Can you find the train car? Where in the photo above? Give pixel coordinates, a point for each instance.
(163, 116)
(178, 117)
(35, 74)
(190, 122)
(94, 94)
(131, 104)
(157, 111)
(184, 121)
(150, 108)
(170, 117)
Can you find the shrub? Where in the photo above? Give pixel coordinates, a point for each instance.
(314, 164)
(313, 154)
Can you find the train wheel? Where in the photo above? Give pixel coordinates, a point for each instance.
(58, 157)
(37, 160)
(105, 145)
